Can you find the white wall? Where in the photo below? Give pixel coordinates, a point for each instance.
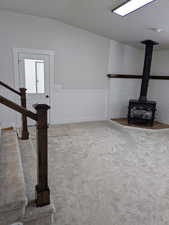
(75, 105)
(81, 57)
(123, 59)
(159, 89)
(121, 90)
(81, 60)
(160, 62)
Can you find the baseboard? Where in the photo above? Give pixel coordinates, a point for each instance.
(79, 120)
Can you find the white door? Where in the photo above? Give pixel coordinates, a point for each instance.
(34, 75)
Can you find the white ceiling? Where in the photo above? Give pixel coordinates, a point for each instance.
(96, 16)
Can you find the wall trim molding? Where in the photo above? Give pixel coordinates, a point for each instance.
(127, 76)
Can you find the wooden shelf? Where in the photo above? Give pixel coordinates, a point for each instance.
(127, 76)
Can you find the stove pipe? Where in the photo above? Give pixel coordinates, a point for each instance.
(147, 67)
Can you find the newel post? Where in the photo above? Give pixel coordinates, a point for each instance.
(24, 132)
(42, 189)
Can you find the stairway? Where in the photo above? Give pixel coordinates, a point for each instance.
(17, 183)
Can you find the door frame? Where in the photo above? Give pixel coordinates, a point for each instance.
(51, 55)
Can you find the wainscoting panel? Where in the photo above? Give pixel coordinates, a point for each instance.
(77, 105)
(159, 92)
(120, 91)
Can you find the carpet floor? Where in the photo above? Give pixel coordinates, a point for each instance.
(102, 173)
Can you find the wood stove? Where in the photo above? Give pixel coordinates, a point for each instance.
(142, 111)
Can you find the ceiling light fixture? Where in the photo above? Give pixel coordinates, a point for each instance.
(130, 6)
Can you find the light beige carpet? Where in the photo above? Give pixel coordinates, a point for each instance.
(102, 173)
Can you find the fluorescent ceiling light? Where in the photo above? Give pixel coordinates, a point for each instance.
(131, 6)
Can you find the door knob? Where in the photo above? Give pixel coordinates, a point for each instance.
(47, 96)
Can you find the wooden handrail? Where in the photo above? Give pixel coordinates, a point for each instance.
(9, 88)
(18, 108)
(22, 94)
(42, 189)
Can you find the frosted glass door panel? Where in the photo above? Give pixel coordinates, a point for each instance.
(34, 76)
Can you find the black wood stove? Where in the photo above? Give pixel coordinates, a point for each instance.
(142, 111)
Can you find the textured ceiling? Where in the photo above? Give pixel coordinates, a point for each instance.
(96, 16)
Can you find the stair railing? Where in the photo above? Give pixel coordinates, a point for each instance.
(22, 94)
(42, 190)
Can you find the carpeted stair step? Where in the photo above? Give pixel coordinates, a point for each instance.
(33, 215)
(13, 198)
